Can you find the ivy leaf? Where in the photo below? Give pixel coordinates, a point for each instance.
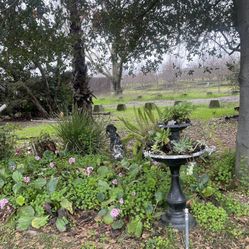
(102, 212)
(23, 223)
(17, 177)
(65, 203)
(107, 219)
(135, 227)
(39, 183)
(104, 171)
(103, 185)
(16, 187)
(20, 200)
(27, 211)
(52, 184)
(159, 196)
(117, 224)
(101, 196)
(2, 182)
(61, 224)
(39, 222)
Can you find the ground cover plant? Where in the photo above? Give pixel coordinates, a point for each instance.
(52, 191)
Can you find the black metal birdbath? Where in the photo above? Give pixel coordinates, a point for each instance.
(176, 199)
(175, 129)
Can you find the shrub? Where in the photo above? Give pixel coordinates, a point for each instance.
(209, 216)
(81, 133)
(7, 141)
(223, 168)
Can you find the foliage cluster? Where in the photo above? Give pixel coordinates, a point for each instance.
(81, 133)
(7, 141)
(52, 187)
(179, 113)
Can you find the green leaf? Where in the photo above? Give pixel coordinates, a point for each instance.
(118, 224)
(102, 212)
(104, 171)
(20, 200)
(16, 187)
(101, 196)
(52, 184)
(27, 211)
(39, 222)
(103, 185)
(39, 183)
(61, 224)
(107, 219)
(65, 203)
(23, 223)
(135, 227)
(159, 196)
(2, 182)
(17, 177)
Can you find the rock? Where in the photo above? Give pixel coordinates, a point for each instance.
(214, 103)
(209, 93)
(98, 108)
(18, 115)
(121, 107)
(150, 105)
(235, 92)
(139, 97)
(6, 118)
(177, 102)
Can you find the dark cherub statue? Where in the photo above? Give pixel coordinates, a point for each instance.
(116, 146)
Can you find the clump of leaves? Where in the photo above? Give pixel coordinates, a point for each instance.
(7, 141)
(43, 143)
(160, 140)
(143, 130)
(81, 133)
(222, 172)
(178, 113)
(209, 216)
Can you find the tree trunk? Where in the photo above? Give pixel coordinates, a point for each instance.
(242, 146)
(117, 70)
(82, 94)
(35, 101)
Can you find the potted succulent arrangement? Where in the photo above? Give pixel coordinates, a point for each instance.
(157, 144)
(176, 118)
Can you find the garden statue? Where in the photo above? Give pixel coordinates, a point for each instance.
(116, 146)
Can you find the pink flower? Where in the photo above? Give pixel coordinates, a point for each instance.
(3, 202)
(37, 158)
(89, 171)
(71, 160)
(26, 179)
(121, 201)
(115, 182)
(18, 152)
(52, 165)
(115, 212)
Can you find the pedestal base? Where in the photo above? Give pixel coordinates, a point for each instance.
(177, 220)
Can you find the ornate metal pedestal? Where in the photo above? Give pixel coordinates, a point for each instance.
(176, 199)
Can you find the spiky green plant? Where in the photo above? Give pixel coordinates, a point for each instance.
(143, 129)
(81, 133)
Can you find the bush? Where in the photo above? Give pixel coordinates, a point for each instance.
(81, 133)
(223, 168)
(210, 217)
(7, 141)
